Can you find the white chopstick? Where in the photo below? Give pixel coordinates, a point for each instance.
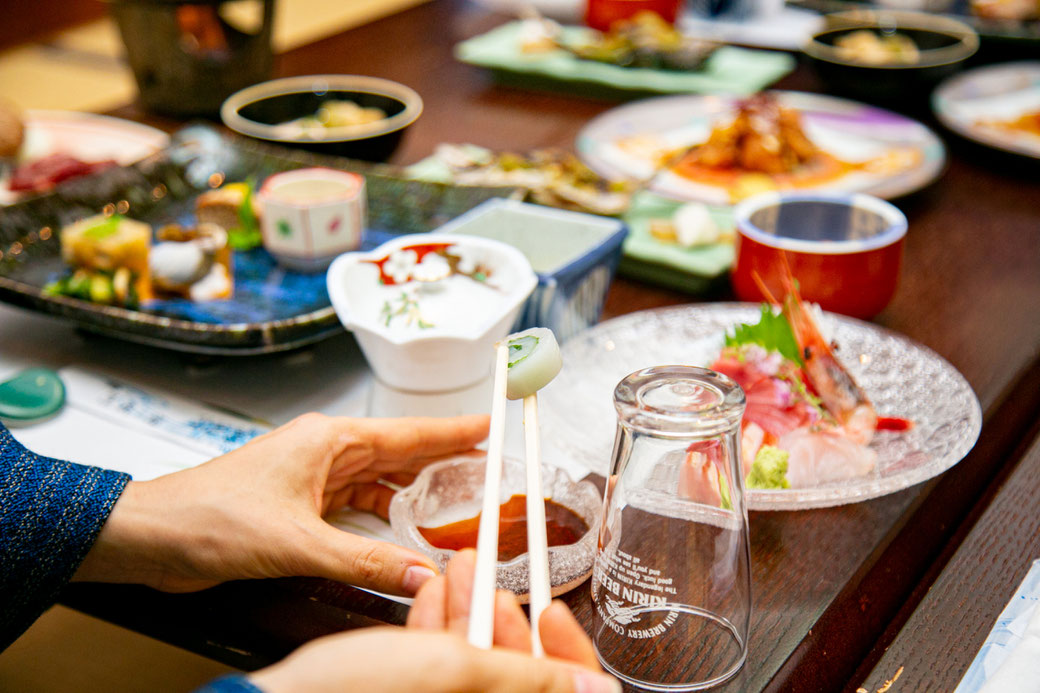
(537, 543)
(482, 604)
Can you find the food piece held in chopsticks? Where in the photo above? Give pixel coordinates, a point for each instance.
(534, 360)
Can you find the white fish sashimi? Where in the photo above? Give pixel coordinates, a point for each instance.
(822, 457)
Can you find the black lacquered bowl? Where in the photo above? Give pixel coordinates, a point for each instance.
(943, 45)
(262, 110)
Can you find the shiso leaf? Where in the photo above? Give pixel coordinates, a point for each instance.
(772, 332)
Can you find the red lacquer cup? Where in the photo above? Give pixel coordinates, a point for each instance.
(600, 14)
(845, 251)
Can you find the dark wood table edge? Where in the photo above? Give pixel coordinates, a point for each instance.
(868, 671)
(918, 546)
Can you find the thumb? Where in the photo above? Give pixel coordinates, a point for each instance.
(376, 565)
(506, 671)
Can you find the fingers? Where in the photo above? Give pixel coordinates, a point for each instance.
(376, 565)
(428, 609)
(511, 628)
(505, 671)
(367, 497)
(415, 438)
(564, 638)
(394, 660)
(460, 590)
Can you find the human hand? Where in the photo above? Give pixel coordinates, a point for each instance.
(443, 604)
(433, 656)
(257, 512)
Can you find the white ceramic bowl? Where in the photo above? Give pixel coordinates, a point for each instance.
(427, 310)
(574, 255)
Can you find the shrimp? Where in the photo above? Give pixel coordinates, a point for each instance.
(840, 395)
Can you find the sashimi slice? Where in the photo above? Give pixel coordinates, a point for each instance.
(822, 457)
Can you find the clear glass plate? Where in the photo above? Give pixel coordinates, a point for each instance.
(901, 377)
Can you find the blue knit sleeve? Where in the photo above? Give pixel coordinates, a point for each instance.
(229, 684)
(51, 512)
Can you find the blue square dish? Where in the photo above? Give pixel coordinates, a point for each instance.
(574, 255)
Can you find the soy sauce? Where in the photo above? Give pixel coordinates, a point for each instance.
(562, 526)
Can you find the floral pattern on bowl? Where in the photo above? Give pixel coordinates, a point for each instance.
(427, 314)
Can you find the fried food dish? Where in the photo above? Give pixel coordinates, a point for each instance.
(763, 147)
(764, 137)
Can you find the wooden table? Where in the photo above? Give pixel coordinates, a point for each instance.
(831, 587)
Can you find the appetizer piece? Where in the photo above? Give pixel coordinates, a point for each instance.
(534, 360)
(870, 48)
(691, 226)
(233, 208)
(192, 263)
(644, 40)
(332, 114)
(109, 257)
(551, 177)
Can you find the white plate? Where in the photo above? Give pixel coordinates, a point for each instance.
(86, 136)
(901, 377)
(996, 92)
(624, 142)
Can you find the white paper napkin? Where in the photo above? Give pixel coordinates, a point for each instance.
(1009, 660)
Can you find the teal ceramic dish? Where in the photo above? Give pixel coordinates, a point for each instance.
(272, 309)
(573, 254)
(728, 70)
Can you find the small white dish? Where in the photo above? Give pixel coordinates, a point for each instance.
(428, 309)
(452, 490)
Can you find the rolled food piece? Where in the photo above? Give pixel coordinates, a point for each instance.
(534, 360)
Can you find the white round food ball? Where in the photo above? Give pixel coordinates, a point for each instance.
(694, 225)
(534, 360)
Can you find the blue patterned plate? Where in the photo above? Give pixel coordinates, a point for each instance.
(273, 309)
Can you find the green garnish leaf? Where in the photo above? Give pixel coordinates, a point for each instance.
(772, 332)
(247, 235)
(103, 229)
